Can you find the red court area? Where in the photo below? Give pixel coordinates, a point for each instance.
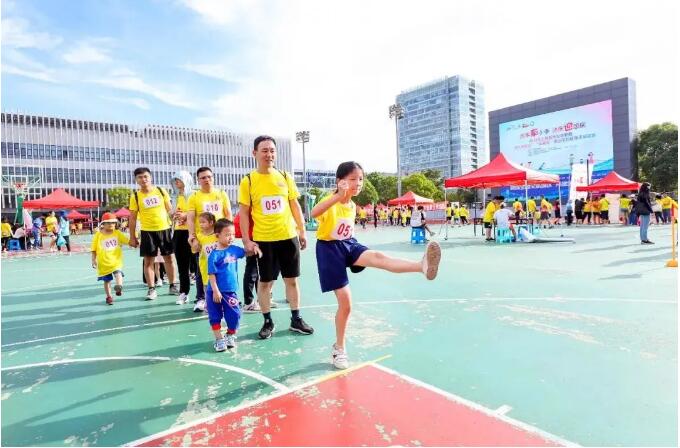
(368, 406)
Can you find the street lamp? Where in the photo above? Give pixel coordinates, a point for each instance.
(303, 137)
(397, 112)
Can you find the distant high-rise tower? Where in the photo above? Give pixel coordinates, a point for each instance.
(443, 127)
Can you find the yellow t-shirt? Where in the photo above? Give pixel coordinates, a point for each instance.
(6, 230)
(109, 250)
(604, 205)
(546, 204)
(624, 203)
(395, 214)
(270, 209)
(215, 202)
(362, 213)
(531, 205)
(337, 223)
(449, 212)
(153, 215)
(666, 203)
(182, 206)
(464, 212)
(595, 206)
(490, 210)
(457, 212)
(587, 206)
(517, 206)
(208, 244)
(51, 223)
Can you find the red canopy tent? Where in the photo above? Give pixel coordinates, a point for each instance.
(74, 214)
(611, 182)
(59, 199)
(501, 172)
(410, 198)
(122, 213)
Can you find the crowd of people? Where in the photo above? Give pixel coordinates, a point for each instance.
(32, 235)
(199, 226)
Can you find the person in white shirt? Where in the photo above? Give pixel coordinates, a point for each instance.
(502, 218)
(418, 220)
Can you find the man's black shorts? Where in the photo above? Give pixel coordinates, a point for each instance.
(284, 254)
(151, 242)
(487, 225)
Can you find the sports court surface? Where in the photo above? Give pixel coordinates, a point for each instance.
(524, 344)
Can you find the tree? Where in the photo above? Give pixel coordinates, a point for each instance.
(368, 194)
(462, 195)
(435, 176)
(118, 197)
(385, 186)
(657, 151)
(421, 185)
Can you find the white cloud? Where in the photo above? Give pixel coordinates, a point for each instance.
(220, 12)
(16, 34)
(15, 62)
(137, 102)
(132, 83)
(88, 52)
(222, 72)
(334, 70)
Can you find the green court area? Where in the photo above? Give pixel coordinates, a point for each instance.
(578, 340)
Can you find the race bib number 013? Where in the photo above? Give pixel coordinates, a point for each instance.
(344, 229)
(212, 207)
(110, 244)
(151, 201)
(272, 205)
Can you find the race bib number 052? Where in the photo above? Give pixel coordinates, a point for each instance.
(272, 205)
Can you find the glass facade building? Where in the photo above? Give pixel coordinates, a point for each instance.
(87, 158)
(443, 127)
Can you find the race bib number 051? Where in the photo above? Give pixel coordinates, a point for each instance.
(344, 229)
(272, 205)
(151, 201)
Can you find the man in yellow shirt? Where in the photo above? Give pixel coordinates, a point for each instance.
(491, 208)
(151, 205)
(6, 233)
(531, 206)
(270, 198)
(517, 206)
(604, 209)
(449, 213)
(464, 214)
(667, 203)
(362, 217)
(624, 208)
(206, 200)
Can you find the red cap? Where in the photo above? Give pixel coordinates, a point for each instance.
(109, 217)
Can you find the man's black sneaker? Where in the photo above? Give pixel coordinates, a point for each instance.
(267, 330)
(300, 326)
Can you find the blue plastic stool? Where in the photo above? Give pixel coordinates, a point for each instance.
(417, 235)
(503, 236)
(14, 245)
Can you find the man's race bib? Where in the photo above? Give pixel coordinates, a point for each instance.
(208, 248)
(344, 229)
(151, 201)
(214, 207)
(110, 244)
(272, 205)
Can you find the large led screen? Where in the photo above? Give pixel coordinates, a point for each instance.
(556, 141)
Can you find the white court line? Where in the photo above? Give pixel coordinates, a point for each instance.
(503, 410)
(478, 407)
(377, 302)
(275, 384)
(252, 403)
(34, 286)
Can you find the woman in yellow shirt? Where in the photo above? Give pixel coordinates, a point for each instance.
(337, 250)
(6, 233)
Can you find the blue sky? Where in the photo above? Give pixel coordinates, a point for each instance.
(332, 68)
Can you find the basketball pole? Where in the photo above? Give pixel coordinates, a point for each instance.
(673, 262)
